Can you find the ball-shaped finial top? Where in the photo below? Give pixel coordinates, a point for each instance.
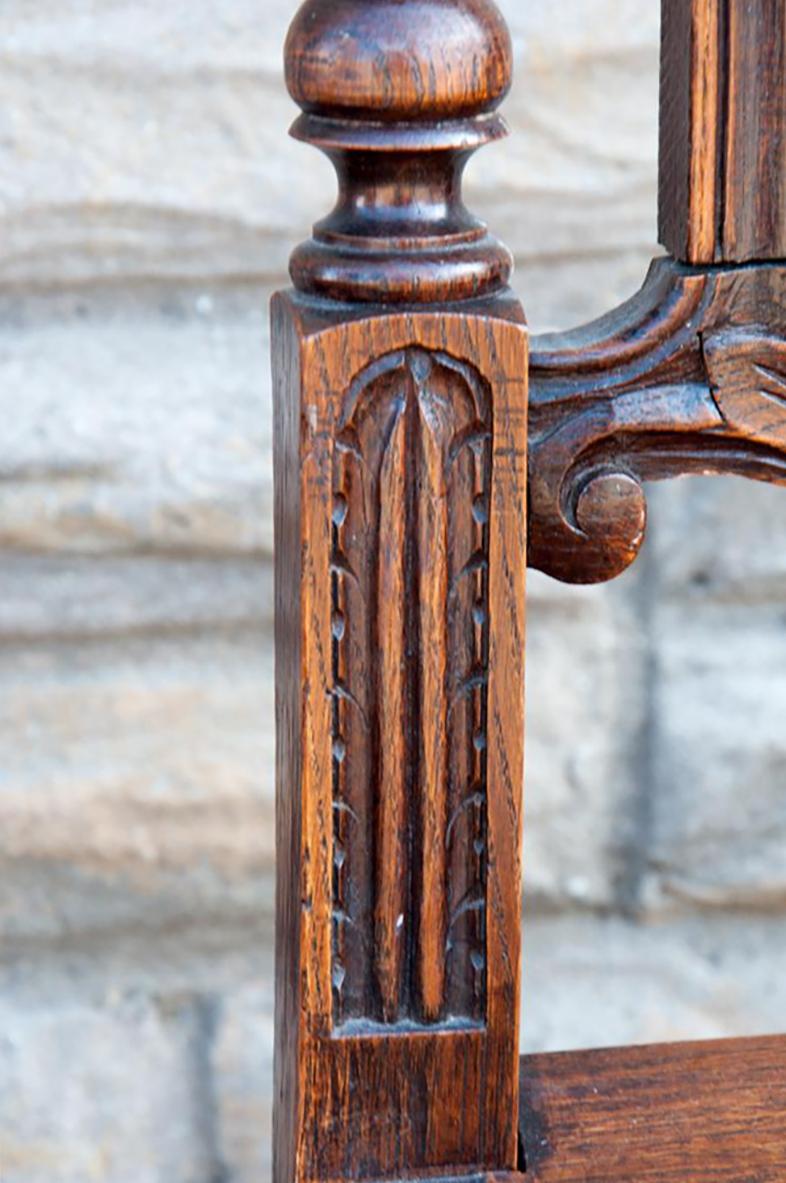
(398, 60)
(399, 94)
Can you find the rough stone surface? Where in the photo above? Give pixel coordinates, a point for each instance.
(149, 199)
(139, 424)
(137, 782)
(719, 786)
(144, 139)
(131, 1059)
(595, 982)
(586, 700)
(109, 1092)
(134, 1061)
(715, 831)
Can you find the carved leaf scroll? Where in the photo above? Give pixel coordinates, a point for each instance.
(688, 377)
(747, 372)
(410, 659)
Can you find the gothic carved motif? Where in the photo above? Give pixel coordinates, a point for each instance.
(410, 655)
(400, 553)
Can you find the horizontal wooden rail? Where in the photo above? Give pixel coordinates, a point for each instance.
(688, 1112)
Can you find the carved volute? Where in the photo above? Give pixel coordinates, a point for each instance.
(689, 376)
(399, 96)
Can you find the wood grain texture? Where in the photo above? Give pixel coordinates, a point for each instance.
(399, 97)
(754, 198)
(426, 59)
(690, 127)
(400, 882)
(411, 453)
(723, 130)
(287, 510)
(401, 885)
(394, 725)
(687, 377)
(698, 1113)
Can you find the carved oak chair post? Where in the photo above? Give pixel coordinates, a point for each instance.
(401, 401)
(414, 438)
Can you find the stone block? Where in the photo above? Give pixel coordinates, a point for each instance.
(584, 717)
(718, 788)
(83, 597)
(138, 427)
(719, 539)
(159, 148)
(109, 1094)
(242, 1067)
(594, 981)
(137, 782)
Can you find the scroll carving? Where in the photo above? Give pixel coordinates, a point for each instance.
(410, 637)
(747, 373)
(688, 377)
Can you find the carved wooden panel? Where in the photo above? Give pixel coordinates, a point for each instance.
(401, 541)
(401, 561)
(409, 575)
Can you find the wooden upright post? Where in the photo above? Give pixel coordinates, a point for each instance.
(723, 130)
(400, 404)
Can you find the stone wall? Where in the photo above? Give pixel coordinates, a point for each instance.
(148, 201)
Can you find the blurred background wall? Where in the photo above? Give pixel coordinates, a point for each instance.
(149, 199)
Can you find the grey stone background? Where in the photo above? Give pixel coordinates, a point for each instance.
(148, 201)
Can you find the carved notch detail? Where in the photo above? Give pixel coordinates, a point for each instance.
(412, 470)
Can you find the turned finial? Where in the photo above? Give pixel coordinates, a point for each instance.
(399, 94)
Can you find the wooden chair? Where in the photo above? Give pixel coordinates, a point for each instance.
(413, 427)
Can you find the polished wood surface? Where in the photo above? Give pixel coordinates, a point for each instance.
(399, 96)
(688, 377)
(394, 61)
(401, 395)
(412, 427)
(723, 130)
(400, 572)
(674, 1113)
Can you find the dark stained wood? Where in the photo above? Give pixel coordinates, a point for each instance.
(413, 453)
(688, 377)
(403, 388)
(399, 96)
(691, 127)
(754, 197)
(723, 130)
(289, 646)
(421, 60)
(678, 1113)
(403, 1017)
(401, 395)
